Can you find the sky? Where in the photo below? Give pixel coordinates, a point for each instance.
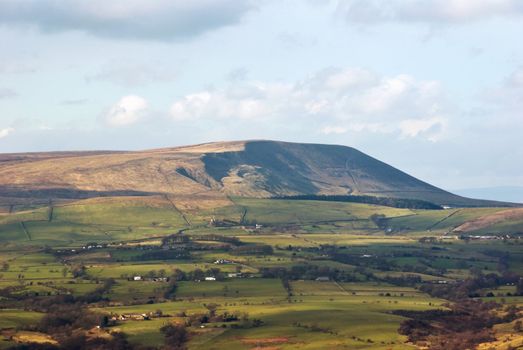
(433, 87)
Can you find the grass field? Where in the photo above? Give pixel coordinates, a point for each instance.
(43, 255)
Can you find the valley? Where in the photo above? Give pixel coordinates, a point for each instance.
(132, 261)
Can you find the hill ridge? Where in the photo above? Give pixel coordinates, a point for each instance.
(248, 168)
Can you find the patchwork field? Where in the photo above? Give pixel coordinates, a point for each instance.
(251, 273)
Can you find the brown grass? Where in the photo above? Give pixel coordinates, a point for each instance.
(490, 219)
(264, 341)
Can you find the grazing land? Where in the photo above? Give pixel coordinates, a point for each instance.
(260, 273)
(188, 249)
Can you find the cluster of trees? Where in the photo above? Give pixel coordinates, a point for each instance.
(197, 274)
(385, 201)
(469, 288)
(170, 291)
(161, 254)
(176, 336)
(219, 238)
(306, 272)
(67, 323)
(376, 262)
(37, 302)
(239, 320)
(463, 326)
(175, 239)
(253, 249)
(404, 281)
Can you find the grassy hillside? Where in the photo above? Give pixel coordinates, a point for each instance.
(112, 219)
(203, 176)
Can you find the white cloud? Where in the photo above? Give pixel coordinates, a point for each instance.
(128, 110)
(432, 128)
(222, 105)
(142, 19)
(341, 99)
(5, 132)
(443, 11)
(334, 130)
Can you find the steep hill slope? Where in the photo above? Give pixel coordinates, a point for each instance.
(211, 172)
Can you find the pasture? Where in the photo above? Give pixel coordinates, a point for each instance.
(371, 268)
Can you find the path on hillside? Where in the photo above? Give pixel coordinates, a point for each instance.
(169, 183)
(347, 168)
(24, 228)
(342, 288)
(440, 221)
(242, 208)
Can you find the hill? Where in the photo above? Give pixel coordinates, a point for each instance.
(206, 174)
(499, 193)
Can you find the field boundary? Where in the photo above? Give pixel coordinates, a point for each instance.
(24, 228)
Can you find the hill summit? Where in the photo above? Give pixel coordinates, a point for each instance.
(213, 172)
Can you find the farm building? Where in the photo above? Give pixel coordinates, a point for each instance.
(323, 279)
(222, 261)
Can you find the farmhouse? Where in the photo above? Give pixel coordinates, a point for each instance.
(222, 261)
(131, 316)
(160, 279)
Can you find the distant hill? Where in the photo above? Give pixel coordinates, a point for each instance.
(500, 193)
(206, 173)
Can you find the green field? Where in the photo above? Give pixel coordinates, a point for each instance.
(369, 269)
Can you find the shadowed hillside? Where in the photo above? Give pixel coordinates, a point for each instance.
(201, 175)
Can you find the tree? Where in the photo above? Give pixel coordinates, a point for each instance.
(178, 275)
(170, 291)
(212, 309)
(175, 336)
(104, 321)
(519, 287)
(198, 275)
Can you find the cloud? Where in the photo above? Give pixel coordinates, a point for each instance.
(343, 100)
(7, 93)
(5, 132)
(430, 11)
(131, 19)
(327, 130)
(128, 110)
(431, 128)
